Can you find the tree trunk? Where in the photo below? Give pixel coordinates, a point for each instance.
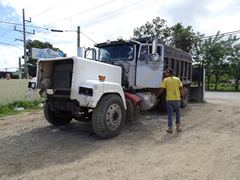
(208, 77)
(216, 83)
(236, 87)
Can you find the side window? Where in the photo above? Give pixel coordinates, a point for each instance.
(159, 50)
(143, 53)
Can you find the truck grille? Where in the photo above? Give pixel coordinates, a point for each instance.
(62, 75)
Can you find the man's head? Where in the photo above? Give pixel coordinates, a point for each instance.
(169, 72)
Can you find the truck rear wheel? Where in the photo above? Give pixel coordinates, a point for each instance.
(109, 116)
(184, 99)
(55, 118)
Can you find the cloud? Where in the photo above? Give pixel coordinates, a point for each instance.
(13, 14)
(206, 16)
(10, 58)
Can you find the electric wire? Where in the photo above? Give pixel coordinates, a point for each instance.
(89, 10)
(9, 55)
(50, 8)
(87, 37)
(87, 23)
(206, 37)
(11, 45)
(6, 32)
(11, 23)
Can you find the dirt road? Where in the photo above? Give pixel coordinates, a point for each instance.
(208, 147)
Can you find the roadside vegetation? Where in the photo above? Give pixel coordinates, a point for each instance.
(219, 54)
(223, 87)
(16, 107)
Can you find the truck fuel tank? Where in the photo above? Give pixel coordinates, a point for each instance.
(149, 100)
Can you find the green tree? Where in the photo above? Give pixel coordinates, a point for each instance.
(32, 63)
(157, 28)
(234, 60)
(206, 53)
(177, 36)
(212, 53)
(184, 38)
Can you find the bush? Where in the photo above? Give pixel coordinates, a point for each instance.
(8, 109)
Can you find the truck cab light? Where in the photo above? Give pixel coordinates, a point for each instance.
(119, 38)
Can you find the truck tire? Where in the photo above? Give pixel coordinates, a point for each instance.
(129, 112)
(56, 119)
(184, 99)
(108, 116)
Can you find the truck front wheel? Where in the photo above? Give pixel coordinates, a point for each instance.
(109, 116)
(56, 119)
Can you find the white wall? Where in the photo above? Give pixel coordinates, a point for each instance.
(14, 90)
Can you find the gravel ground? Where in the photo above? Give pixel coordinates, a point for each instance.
(207, 148)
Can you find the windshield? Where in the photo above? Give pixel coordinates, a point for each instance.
(121, 52)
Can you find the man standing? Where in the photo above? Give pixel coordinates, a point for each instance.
(173, 101)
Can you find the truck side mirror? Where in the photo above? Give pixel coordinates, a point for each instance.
(90, 53)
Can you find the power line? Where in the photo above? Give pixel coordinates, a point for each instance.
(87, 23)
(88, 37)
(50, 8)
(82, 12)
(59, 20)
(206, 37)
(11, 45)
(22, 25)
(6, 32)
(140, 7)
(8, 55)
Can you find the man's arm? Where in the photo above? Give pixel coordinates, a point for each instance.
(181, 90)
(160, 92)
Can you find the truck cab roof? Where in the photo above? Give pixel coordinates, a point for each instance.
(119, 42)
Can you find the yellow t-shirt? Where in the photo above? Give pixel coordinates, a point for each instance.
(172, 85)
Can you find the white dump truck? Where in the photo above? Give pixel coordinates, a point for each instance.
(120, 83)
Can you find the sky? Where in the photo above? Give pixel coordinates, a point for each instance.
(100, 20)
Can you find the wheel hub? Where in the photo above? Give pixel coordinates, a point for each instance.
(114, 116)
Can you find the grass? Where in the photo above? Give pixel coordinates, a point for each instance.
(8, 109)
(222, 87)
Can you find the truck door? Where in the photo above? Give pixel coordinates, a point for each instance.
(149, 72)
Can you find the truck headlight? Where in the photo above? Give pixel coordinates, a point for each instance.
(85, 91)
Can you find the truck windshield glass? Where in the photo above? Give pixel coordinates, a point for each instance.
(113, 53)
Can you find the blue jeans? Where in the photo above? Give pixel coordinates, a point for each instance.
(171, 106)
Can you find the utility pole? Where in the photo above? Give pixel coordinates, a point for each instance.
(24, 42)
(19, 64)
(78, 34)
(78, 38)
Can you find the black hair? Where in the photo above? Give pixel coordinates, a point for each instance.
(170, 70)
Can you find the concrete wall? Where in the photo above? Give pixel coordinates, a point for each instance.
(14, 90)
